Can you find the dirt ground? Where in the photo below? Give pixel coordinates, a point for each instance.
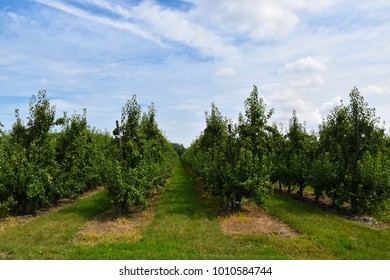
(109, 227)
(112, 227)
(253, 220)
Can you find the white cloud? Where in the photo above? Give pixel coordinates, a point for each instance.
(257, 19)
(112, 7)
(297, 104)
(155, 23)
(92, 52)
(66, 106)
(174, 25)
(375, 4)
(307, 64)
(16, 18)
(376, 90)
(305, 81)
(44, 82)
(189, 106)
(302, 78)
(307, 112)
(122, 25)
(329, 105)
(316, 6)
(225, 72)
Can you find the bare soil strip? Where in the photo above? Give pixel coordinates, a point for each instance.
(253, 220)
(12, 221)
(111, 227)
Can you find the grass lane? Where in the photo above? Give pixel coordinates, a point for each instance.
(50, 236)
(346, 239)
(183, 228)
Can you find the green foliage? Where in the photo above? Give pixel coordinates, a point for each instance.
(279, 167)
(79, 156)
(234, 164)
(334, 163)
(373, 174)
(322, 175)
(296, 155)
(252, 149)
(179, 148)
(7, 201)
(147, 158)
(243, 164)
(347, 134)
(38, 167)
(348, 159)
(29, 166)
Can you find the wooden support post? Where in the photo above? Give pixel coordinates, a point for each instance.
(230, 144)
(119, 140)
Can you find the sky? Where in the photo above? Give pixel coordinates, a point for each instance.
(182, 56)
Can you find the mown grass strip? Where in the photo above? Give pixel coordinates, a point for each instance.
(50, 236)
(183, 228)
(346, 239)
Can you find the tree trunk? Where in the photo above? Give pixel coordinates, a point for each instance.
(334, 200)
(301, 187)
(236, 203)
(124, 208)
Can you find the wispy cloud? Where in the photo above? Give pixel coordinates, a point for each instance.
(101, 20)
(303, 55)
(307, 64)
(161, 23)
(175, 25)
(258, 20)
(225, 72)
(377, 90)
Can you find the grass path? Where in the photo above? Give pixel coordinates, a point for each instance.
(346, 239)
(184, 229)
(50, 236)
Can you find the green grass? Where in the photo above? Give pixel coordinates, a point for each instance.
(49, 236)
(346, 239)
(183, 228)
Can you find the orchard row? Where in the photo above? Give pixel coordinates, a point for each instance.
(347, 160)
(38, 166)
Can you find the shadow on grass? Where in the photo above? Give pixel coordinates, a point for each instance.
(88, 208)
(345, 238)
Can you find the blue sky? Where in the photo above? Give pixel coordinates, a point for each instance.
(184, 55)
